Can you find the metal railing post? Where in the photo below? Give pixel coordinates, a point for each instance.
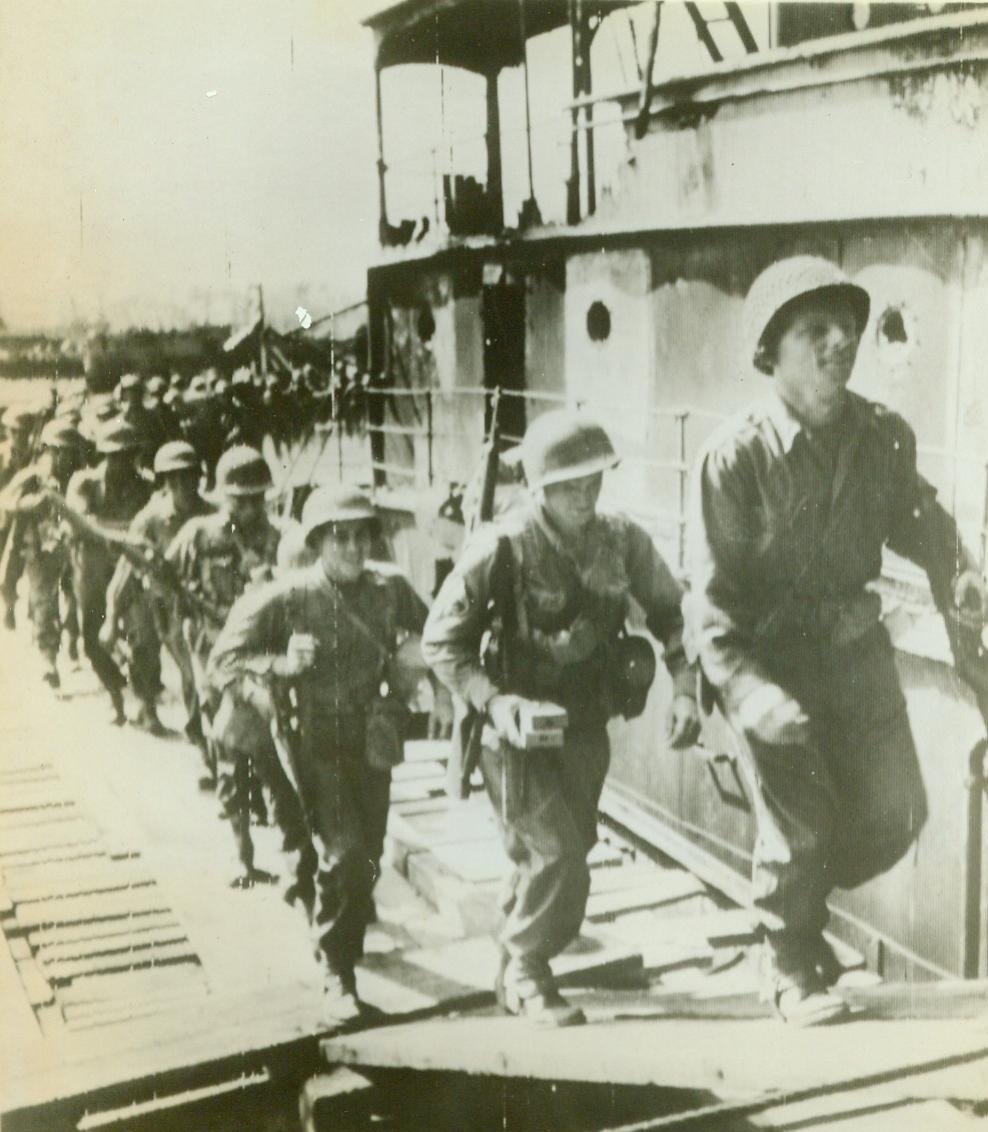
(428, 433)
(983, 557)
(681, 418)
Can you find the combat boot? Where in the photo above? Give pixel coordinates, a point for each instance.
(340, 1001)
(802, 998)
(545, 1008)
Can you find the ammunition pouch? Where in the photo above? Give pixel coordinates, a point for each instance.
(387, 727)
(629, 671)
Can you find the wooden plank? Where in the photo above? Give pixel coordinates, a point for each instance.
(189, 991)
(947, 999)
(36, 818)
(475, 861)
(34, 798)
(19, 1030)
(666, 888)
(727, 1058)
(19, 948)
(419, 771)
(15, 842)
(37, 988)
(398, 982)
(58, 854)
(122, 879)
(474, 907)
(101, 906)
(427, 750)
(109, 945)
(416, 791)
(101, 929)
(132, 959)
(129, 984)
(854, 1112)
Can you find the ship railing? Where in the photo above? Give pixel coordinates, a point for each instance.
(945, 467)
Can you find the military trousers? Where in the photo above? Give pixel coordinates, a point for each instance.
(92, 569)
(346, 802)
(546, 804)
(44, 579)
(842, 807)
(143, 649)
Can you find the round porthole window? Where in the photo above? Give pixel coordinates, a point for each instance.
(598, 321)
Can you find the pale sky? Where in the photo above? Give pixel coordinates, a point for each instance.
(160, 158)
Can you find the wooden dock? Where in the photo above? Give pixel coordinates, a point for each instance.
(133, 978)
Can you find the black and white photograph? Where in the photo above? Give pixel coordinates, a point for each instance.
(493, 547)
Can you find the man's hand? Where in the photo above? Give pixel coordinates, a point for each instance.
(682, 722)
(971, 597)
(774, 717)
(504, 714)
(300, 656)
(108, 631)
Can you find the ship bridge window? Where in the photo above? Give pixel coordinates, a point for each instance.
(598, 321)
(425, 323)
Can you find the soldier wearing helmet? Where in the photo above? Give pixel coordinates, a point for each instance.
(177, 471)
(553, 582)
(19, 424)
(110, 495)
(794, 502)
(41, 552)
(15, 452)
(326, 634)
(218, 556)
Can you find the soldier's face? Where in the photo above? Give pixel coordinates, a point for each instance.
(246, 510)
(181, 486)
(816, 351)
(344, 549)
(572, 504)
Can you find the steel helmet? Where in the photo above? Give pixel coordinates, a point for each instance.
(60, 433)
(780, 285)
(175, 456)
(18, 419)
(242, 470)
(131, 381)
(116, 436)
(342, 504)
(156, 386)
(564, 445)
(197, 389)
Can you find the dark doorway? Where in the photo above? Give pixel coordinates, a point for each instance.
(504, 356)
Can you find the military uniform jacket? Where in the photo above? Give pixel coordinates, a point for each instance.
(156, 524)
(570, 606)
(787, 528)
(218, 561)
(110, 505)
(348, 666)
(41, 529)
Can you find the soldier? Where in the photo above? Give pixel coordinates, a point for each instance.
(177, 470)
(15, 454)
(110, 495)
(218, 556)
(327, 632)
(202, 424)
(552, 583)
(794, 501)
(42, 547)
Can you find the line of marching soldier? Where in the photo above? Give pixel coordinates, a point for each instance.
(297, 652)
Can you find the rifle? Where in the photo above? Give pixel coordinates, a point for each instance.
(146, 560)
(468, 724)
(491, 459)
